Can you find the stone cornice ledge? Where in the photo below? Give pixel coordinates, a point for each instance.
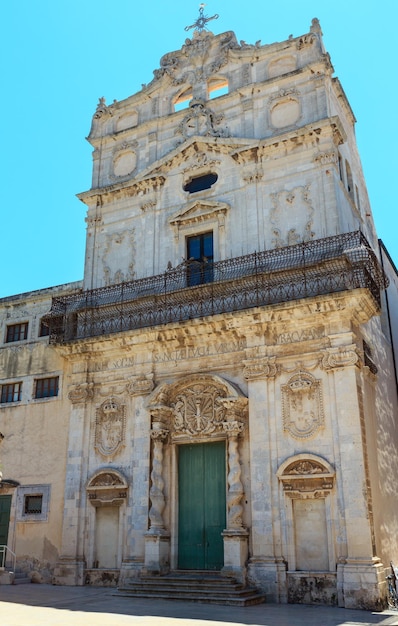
(332, 126)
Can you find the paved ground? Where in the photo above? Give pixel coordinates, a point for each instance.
(47, 605)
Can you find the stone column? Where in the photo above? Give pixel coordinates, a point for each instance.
(157, 539)
(235, 536)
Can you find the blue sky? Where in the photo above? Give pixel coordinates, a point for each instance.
(59, 57)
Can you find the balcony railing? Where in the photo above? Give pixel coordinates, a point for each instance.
(324, 266)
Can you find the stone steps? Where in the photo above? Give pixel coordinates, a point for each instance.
(20, 578)
(198, 587)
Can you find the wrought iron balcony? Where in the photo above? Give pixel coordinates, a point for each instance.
(324, 266)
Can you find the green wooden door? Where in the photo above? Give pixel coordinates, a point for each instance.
(5, 507)
(202, 505)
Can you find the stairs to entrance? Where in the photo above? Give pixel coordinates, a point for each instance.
(205, 587)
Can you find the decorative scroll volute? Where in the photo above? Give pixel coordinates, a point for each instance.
(343, 356)
(110, 427)
(260, 368)
(81, 393)
(140, 385)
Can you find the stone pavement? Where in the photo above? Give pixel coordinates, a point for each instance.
(47, 605)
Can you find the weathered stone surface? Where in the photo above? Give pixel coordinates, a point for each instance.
(302, 391)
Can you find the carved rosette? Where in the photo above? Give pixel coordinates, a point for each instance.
(81, 393)
(260, 368)
(344, 356)
(110, 427)
(302, 405)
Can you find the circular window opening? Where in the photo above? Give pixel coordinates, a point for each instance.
(199, 183)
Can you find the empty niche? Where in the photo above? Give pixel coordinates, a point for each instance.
(282, 65)
(285, 113)
(128, 120)
(124, 163)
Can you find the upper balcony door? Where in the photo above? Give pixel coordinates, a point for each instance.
(200, 253)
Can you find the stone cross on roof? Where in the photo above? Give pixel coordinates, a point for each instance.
(202, 20)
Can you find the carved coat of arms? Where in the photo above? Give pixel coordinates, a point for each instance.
(110, 426)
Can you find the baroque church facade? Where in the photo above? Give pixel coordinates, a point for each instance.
(219, 392)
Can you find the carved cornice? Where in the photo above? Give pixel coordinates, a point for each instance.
(309, 133)
(126, 190)
(306, 476)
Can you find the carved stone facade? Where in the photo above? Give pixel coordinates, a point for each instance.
(291, 404)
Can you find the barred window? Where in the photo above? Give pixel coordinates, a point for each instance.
(33, 504)
(46, 387)
(17, 332)
(11, 392)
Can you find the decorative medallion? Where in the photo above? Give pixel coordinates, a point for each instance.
(302, 405)
(110, 427)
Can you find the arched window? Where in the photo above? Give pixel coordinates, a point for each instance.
(182, 101)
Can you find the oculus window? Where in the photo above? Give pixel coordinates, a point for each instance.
(199, 183)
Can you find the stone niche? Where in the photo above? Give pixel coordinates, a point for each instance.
(308, 481)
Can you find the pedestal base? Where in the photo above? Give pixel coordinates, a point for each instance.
(157, 553)
(235, 554)
(130, 570)
(361, 584)
(269, 575)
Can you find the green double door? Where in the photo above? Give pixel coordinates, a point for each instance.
(5, 508)
(202, 506)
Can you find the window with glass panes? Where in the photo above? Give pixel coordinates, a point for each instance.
(11, 392)
(200, 258)
(46, 387)
(17, 332)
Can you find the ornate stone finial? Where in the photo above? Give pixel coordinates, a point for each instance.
(315, 26)
(200, 24)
